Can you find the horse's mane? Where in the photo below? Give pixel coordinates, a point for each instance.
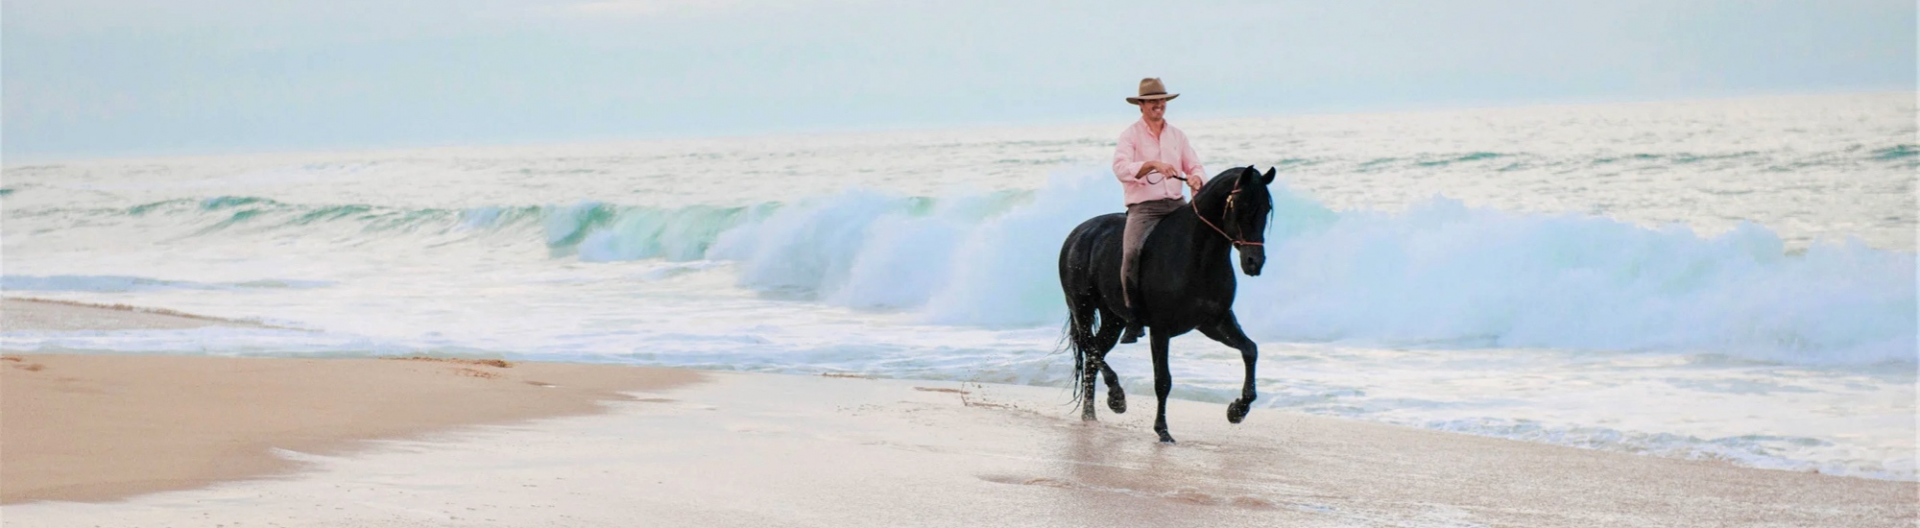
(1212, 198)
(1217, 188)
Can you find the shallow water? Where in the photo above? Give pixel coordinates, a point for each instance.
(1721, 279)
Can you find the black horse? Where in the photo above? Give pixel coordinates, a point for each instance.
(1186, 283)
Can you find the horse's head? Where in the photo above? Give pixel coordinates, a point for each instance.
(1238, 203)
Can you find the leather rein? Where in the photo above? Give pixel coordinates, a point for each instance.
(1223, 214)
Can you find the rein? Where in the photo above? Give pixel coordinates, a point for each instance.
(1223, 214)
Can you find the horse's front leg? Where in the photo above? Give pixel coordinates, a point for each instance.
(1162, 384)
(1228, 332)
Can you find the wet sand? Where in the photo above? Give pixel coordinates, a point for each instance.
(26, 313)
(158, 441)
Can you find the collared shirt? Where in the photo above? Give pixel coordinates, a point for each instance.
(1138, 146)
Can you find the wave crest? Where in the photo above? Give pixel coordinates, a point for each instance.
(1440, 275)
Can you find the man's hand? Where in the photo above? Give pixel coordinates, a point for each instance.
(1161, 167)
(1194, 183)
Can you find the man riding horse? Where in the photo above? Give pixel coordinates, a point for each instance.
(1185, 249)
(1152, 161)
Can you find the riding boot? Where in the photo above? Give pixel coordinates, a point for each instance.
(1134, 331)
(1134, 324)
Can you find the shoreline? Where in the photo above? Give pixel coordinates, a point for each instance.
(32, 313)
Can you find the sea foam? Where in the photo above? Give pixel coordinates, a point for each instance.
(1440, 274)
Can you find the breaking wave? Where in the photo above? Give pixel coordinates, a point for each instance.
(1440, 275)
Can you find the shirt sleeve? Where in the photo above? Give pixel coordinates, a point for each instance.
(1190, 162)
(1125, 167)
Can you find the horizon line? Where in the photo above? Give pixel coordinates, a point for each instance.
(9, 162)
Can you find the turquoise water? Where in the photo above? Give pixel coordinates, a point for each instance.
(1558, 274)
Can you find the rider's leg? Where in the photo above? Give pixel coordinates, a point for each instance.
(1130, 239)
(1141, 219)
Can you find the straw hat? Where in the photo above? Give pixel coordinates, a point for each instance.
(1151, 89)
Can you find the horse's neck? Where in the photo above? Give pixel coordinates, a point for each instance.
(1210, 249)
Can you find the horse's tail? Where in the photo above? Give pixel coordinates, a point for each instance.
(1077, 339)
(1071, 343)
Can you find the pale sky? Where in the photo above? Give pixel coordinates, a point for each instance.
(88, 78)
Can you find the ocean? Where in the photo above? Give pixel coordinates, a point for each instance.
(1726, 279)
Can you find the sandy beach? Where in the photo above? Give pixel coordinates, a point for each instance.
(91, 440)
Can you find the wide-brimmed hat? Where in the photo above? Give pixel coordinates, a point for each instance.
(1150, 90)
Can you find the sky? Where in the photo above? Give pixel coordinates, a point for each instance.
(109, 78)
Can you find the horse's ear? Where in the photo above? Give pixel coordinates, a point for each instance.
(1268, 179)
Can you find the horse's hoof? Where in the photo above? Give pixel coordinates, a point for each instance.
(1166, 438)
(1088, 418)
(1237, 411)
(1117, 401)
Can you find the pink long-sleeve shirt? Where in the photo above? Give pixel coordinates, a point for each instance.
(1138, 146)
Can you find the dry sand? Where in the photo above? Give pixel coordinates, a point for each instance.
(90, 428)
(777, 450)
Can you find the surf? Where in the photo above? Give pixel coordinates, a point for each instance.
(1439, 274)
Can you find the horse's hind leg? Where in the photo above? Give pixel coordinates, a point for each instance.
(1086, 354)
(1110, 329)
(1087, 374)
(1228, 332)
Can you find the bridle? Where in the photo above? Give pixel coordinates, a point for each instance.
(1223, 213)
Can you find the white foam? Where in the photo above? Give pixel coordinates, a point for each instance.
(1438, 275)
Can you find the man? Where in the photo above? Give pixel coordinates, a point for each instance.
(1150, 161)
